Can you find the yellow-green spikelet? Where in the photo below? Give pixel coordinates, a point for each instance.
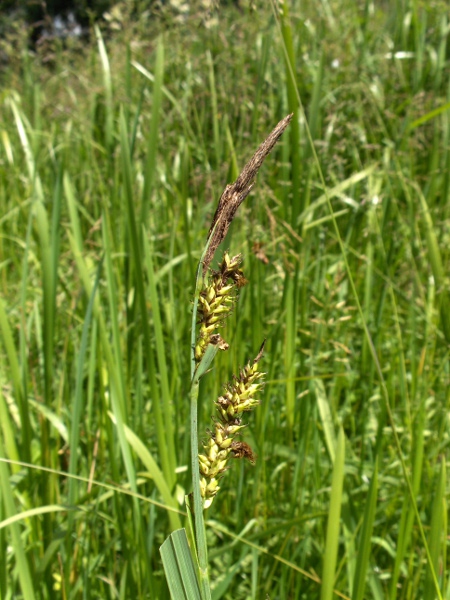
(216, 301)
(239, 397)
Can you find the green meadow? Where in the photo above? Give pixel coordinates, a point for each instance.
(114, 153)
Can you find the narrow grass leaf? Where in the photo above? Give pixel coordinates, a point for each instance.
(13, 359)
(152, 467)
(78, 401)
(8, 429)
(107, 83)
(35, 181)
(430, 115)
(292, 205)
(23, 570)
(115, 309)
(315, 103)
(161, 346)
(49, 289)
(152, 145)
(336, 191)
(437, 532)
(52, 417)
(214, 109)
(73, 212)
(437, 267)
(365, 537)
(169, 266)
(289, 349)
(223, 585)
(325, 417)
(205, 363)
(179, 567)
(35, 512)
(334, 516)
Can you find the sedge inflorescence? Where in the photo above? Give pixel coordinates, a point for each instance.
(239, 397)
(216, 302)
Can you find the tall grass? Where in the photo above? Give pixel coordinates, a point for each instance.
(112, 157)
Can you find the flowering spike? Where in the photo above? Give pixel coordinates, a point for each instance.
(239, 397)
(217, 299)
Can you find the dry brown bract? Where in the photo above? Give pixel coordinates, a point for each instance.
(233, 195)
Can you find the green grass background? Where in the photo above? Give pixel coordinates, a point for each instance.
(113, 155)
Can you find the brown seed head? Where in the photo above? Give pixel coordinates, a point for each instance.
(233, 195)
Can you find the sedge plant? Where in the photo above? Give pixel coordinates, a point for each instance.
(215, 295)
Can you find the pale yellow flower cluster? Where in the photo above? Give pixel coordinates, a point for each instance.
(216, 301)
(239, 397)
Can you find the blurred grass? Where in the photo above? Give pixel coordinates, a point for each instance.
(113, 155)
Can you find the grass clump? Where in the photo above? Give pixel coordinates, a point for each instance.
(112, 156)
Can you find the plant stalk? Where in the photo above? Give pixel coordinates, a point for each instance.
(199, 523)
